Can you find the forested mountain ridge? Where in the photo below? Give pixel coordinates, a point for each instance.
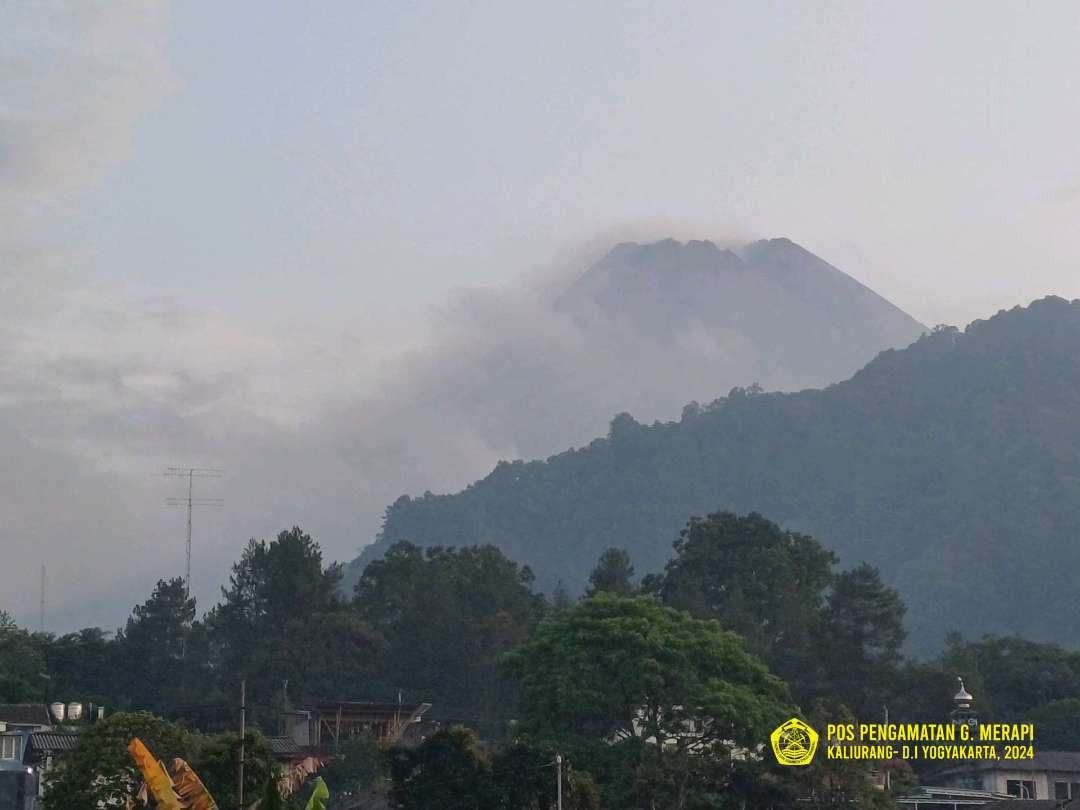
(953, 465)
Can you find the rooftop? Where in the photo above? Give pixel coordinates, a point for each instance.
(25, 714)
(51, 742)
(1024, 804)
(1042, 761)
(284, 746)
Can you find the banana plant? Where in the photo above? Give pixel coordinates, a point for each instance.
(189, 786)
(156, 777)
(319, 797)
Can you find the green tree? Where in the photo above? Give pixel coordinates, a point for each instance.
(862, 630)
(449, 769)
(762, 582)
(560, 599)
(278, 591)
(524, 779)
(85, 666)
(214, 759)
(152, 647)
(611, 678)
(356, 769)
(21, 663)
(447, 615)
(1011, 676)
(1057, 725)
(614, 573)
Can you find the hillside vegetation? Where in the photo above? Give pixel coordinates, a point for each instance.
(953, 465)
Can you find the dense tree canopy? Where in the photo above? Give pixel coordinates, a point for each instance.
(22, 664)
(446, 615)
(451, 769)
(153, 646)
(1012, 676)
(859, 639)
(762, 582)
(600, 680)
(610, 678)
(265, 629)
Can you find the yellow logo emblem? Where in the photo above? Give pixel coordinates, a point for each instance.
(794, 743)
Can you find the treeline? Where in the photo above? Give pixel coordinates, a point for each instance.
(429, 625)
(746, 625)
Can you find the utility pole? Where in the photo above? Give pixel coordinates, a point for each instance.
(243, 733)
(558, 781)
(191, 473)
(888, 777)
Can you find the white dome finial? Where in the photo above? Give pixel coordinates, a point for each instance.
(962, 694)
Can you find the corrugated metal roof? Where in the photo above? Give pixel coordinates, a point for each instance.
(53, 741)
(284, 746)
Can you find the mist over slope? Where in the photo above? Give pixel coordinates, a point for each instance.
(646, 329)
(323, 427)
(953, 464)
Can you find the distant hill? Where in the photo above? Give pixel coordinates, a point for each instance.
(953, 465)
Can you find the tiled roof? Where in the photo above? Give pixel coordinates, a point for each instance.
(53, 741)
(284, 746)
(27, 714)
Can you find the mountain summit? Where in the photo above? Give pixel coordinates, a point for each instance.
(769, 312)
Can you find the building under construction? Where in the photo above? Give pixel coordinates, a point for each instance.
(329, 725)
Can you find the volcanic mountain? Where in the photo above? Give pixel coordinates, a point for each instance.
(952, 464)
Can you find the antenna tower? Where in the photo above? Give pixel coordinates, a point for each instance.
(191, 473)
(41, 618)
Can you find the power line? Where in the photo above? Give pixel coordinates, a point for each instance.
(191, 473)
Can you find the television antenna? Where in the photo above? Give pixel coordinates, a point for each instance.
(191, 473)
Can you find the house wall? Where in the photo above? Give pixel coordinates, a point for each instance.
(997, 780)
(15, 763)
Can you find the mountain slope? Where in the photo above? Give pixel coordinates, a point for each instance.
(953, 464)
(770, 312)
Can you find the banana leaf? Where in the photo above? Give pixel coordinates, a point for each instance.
(319, 796)
(157, 778)
(189, 787)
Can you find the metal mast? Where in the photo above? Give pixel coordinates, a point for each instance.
(191, 473)
(41, 626)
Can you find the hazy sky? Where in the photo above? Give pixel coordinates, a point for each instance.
(224, 222)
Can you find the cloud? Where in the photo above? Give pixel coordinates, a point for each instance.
(106, 390)
(75, 78)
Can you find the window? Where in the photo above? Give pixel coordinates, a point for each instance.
(9, 747)
(1020, 788)
(1061, 790)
